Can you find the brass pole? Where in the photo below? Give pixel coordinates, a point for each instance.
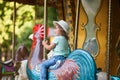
(108, 42)
(76, 24)
(13, 34)
(45, 24)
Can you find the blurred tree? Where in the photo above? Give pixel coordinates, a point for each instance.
(24, 23)
(25, 20)
(51, 15)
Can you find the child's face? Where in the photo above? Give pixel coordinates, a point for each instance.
(57, 30)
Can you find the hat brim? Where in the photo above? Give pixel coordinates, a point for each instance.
(56, 22)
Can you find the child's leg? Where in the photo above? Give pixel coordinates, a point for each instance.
(46, 64)
(44, 68)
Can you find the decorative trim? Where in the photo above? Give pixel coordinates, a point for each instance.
(118, 71)
(117, 46)
(69, 19)
(91, 42)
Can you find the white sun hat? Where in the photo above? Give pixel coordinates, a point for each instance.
(63, 24)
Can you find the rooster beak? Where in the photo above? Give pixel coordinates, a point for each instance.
(31, 36)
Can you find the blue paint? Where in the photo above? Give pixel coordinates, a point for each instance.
(82, 58)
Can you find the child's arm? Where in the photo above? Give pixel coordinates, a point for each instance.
(48, 46)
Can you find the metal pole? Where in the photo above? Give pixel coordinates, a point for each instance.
(76, 24)
(108, 44)
(13, 34)
(45, 25)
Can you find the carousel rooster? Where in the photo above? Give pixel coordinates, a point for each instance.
(38, 30)
(79, 65)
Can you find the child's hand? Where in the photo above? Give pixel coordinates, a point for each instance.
(44, 42)
(48, 46)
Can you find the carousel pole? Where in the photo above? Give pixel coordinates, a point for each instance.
(108, 43)
(76, 23)
(45, 25)
(13, 34)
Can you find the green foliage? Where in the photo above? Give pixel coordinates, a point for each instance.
(25, 20)
(23, 25)
(5, 24)
(51, 15)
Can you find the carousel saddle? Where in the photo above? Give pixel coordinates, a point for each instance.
(8, 63)
(7, 66)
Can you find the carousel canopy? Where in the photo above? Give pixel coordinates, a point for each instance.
(52, 3)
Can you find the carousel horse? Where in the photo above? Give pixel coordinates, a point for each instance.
(12, 67)
(22, 53)
(9, 68)
(20, 60)
(6, 70)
